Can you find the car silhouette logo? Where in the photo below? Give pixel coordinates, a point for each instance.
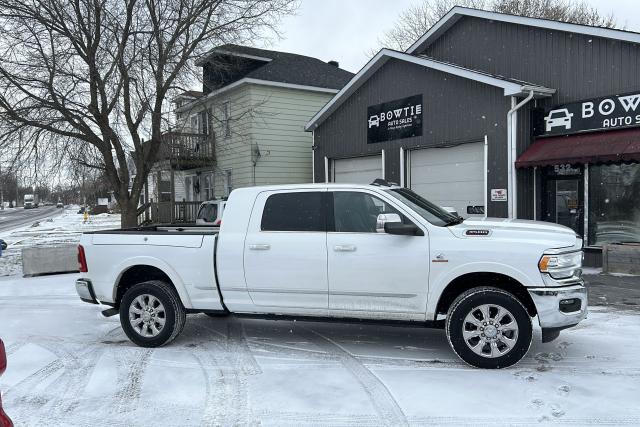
(558, 118)
(374, 121)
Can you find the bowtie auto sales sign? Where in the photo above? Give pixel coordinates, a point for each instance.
(606, 113)
(397, 119)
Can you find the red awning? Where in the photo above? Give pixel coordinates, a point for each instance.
(621, 146)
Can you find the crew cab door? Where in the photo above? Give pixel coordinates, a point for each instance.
(374, 274)
(285, 253)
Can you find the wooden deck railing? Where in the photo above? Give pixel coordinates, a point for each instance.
(179, 146)
(168, 213)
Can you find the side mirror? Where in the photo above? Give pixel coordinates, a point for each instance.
(386, 218)
(403, 229)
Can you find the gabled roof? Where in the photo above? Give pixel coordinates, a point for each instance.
(511, 87)
(283, 67)
(458, 12)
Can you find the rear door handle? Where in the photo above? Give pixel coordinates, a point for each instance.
(344, 248)
(260, 247)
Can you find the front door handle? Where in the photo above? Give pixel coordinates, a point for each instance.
(260, 247)
(344, 248)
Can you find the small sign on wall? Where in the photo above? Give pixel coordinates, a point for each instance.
(498, 194)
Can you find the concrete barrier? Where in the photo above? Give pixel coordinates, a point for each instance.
(621, 258)
(39, 260)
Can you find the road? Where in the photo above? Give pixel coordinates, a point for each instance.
(69, 366)
(13, 218)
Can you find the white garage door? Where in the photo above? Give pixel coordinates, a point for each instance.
(452, 176)
(359, 170)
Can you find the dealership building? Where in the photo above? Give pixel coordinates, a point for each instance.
(500, 115)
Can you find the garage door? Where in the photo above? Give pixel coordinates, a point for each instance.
(358, 170)
(452, 176)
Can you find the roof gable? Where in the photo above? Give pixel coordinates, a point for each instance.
(452, 17)
(511, 87)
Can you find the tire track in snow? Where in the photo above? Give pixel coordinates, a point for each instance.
(131, 369)
(226, 401)
(78, 365)
(381, 398)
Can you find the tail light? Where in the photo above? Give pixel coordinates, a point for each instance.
(82, 260)
(218, 222)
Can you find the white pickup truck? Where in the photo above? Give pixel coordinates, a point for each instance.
(353, 252)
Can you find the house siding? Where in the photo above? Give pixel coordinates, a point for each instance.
(277, 130)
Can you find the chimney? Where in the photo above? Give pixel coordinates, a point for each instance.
(334, 63)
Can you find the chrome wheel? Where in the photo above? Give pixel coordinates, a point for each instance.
(147, 315)
(490, 330)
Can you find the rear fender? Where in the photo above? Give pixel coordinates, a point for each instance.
(160, 265)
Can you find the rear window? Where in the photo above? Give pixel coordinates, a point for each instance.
(294, 212)
(208, 212)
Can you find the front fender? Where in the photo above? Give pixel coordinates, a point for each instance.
(121, 268)
(441, 281)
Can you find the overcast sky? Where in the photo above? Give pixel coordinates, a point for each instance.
(344, 30)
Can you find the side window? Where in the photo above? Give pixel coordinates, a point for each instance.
(356, 212)
(294, 212)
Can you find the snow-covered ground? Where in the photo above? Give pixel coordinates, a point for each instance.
(65, 228)
(70, 366)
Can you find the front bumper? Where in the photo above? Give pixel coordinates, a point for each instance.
(560, 307)
(84, 288)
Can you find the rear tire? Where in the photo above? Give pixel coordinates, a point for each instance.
(489, 328)
(151, 314)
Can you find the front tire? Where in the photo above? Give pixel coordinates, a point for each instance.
(151, 314)
(489, 328)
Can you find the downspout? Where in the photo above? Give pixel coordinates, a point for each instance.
(326, 169)
(401, 167)
(512, 137)
(384, 174)
(486, 173)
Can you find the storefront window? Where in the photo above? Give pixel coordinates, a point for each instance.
(614, 204)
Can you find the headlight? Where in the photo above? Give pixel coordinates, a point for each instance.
(561, 266)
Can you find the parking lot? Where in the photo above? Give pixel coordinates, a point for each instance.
(68, 365)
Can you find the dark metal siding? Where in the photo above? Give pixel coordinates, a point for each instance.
(577, 66)
(455, 110)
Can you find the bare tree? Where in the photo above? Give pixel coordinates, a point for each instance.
(89, 80)
(418, 18)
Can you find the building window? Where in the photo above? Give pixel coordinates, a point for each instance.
(226, 119)
(614, 211)
(164, 191)
(194, 123)
(203, 123)
(208, 187)
(188, 189)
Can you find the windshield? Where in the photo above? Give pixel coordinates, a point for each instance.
(429, 211)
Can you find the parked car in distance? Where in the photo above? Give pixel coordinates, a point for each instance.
(348, 252)
(60, 205)
(210, 212)
(4, 418)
